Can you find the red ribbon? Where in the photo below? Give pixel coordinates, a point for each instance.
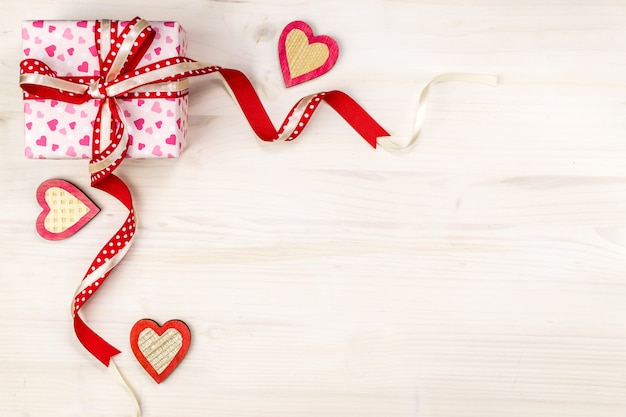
(255, 113)
(117, 79)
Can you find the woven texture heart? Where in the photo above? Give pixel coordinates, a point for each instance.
(304, 56)
(66, 209)
(159, 349)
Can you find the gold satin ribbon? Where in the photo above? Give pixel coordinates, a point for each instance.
(117, 374)
(393, 143)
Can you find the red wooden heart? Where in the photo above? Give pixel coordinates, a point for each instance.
(304, 56)
(159, 349)
(66, 209)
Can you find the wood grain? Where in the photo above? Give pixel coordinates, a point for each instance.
(481, 274)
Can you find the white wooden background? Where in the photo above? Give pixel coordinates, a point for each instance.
(481, 274)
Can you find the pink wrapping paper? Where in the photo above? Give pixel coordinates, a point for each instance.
(56, 130)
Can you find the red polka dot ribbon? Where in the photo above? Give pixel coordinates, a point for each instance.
(121, 47)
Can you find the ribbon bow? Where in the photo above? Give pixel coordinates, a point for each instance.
(119, 53)
(118, 75)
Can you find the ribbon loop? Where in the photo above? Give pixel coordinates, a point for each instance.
(127, 48)
(38, 80)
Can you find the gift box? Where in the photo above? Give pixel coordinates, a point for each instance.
(156, 120)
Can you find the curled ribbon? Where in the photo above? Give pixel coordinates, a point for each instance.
(395, 144)
(120, 50)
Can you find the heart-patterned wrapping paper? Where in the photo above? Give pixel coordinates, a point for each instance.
(57, 130)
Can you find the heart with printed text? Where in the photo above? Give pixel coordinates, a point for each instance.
(304, 56)
(159, 349)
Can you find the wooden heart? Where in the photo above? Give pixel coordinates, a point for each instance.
(304, 56)
(66, 209)
(159, 349)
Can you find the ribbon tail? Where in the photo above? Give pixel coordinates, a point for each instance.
(395, 144)
(117, 374)
(97, 346)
